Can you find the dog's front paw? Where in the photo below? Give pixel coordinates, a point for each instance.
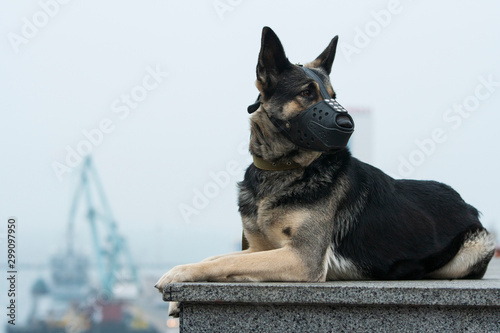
(182, 273)
(173, 309)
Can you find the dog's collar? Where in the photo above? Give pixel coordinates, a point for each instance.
(262, 164)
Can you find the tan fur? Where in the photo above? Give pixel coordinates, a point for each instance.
(306, 158)
(313, 64)
(227, 255)
(258, 242)
(472, 251)
(330, 90)
(292, 109)
(282, 264)
(258, 120)
(276, 221)
(258, 84)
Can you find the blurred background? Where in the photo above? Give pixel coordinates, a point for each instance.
(124, 131)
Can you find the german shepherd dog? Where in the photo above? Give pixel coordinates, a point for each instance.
(329, 216)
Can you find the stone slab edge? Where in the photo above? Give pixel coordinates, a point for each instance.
(484, 293)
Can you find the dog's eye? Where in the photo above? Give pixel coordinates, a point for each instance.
(306, 93)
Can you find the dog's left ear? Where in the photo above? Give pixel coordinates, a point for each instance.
(325, 59)
(272, 61)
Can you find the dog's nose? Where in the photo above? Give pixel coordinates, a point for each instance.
(345, 122)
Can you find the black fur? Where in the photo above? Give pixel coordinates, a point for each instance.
(386, 228)
(406, 228)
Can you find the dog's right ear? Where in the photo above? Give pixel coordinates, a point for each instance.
(272, 61)
(325, 59)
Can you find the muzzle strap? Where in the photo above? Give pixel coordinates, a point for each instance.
(255, 106)
(322, 88)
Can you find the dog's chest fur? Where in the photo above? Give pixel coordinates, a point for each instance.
(276, 204)
(302, 209)
(263, 215)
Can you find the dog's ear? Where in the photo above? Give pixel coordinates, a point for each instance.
(272, 61)
(325, 59)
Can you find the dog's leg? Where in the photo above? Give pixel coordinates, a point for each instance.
(282, 264)
(227, 255)
(173, 308)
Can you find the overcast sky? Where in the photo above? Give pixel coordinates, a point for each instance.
(166, 83)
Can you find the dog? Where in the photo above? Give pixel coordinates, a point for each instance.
(319, 214)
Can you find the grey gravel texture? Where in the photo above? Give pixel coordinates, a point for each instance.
(243, 318)
(424, 292)
(349, 306)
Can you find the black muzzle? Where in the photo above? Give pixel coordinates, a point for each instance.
(325, 126)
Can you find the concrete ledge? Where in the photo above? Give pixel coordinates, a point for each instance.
(431, 292)
(399, 306)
